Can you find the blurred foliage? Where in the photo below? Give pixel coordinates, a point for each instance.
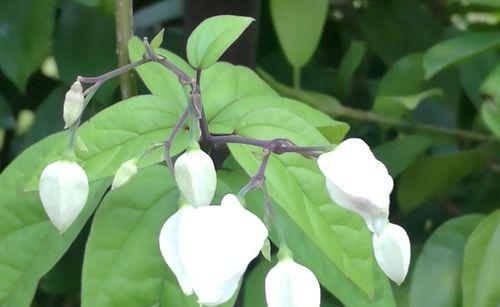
(418, 80)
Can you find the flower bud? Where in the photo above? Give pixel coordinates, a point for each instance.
(196, 177)
(63, 190)
(357, 181)
(392, 252)
(210, 247)
(73, 104)
(124, 173)
(289, 284)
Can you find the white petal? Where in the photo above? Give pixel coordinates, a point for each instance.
(169, 247)
(196, 177)
(357, 181)
(63, 190)
(289, 284)
(73, 104)
(392, 251)
(216, 245)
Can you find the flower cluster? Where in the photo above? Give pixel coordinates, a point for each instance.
(209, 247)
(358, 182)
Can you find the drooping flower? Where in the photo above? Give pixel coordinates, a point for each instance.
(63, 189)
(392, 252)
(289, 284)
(209, 248)
(357, 181)
(124, 173)
(73, 104)
(196, 177)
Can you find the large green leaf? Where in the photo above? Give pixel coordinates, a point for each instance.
(433, 175)
(480, 282)
(456, 49)
(228, 93)
(26, 27)
(338, 247)
(213, 37)
(397, 155)
(117, 134)
(404, 77)
(123, 265)
(439, 267)
(473, 73)
(299, 25)
(29, 244)
(348, 65)
(489, 84)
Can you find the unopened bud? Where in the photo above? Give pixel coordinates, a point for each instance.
(73, 104)
(196, 177)
(63, 189)
(125, 173)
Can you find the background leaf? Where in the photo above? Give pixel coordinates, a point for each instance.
(23, 51)
(299, 25)
(439, 267)
(432, 175)
(480, 280)
(456, 49)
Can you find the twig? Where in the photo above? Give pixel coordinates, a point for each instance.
(168, 144)
(332, 106)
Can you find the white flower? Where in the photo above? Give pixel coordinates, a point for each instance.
(196, 177)
(392, 251)
(209, 248)
(63, 189)
(357, 181)
(124, 173)
(289, 284)
(73, 104)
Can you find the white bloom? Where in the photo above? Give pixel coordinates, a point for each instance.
(289, 284)
(196, 177)
(392, 251)
(124, 173)
(209, 248)
(73, 104)
(357, 181)
(63, 189)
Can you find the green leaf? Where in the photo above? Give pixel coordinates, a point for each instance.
(211, 38)
(157, 40)
(480, 282)
(473, 72)
(26, 30)
(397, 106)
(348, 66)
(456, 49)
(490, 85)
(123, 265)
(398, 154)
(433, 175)
(253, 285)
(395, 28)
(338, 238)
(119, 133)
(86, 55)
(228, 93)
(439, 266)
(490, 3)
(491, 116)
(405, 77)
(299, 25)
(29, 244)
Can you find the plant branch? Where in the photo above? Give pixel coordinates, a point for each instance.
(332, 106)
(123, 19)
(168, 144)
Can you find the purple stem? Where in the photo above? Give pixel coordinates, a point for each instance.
(168, 144)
